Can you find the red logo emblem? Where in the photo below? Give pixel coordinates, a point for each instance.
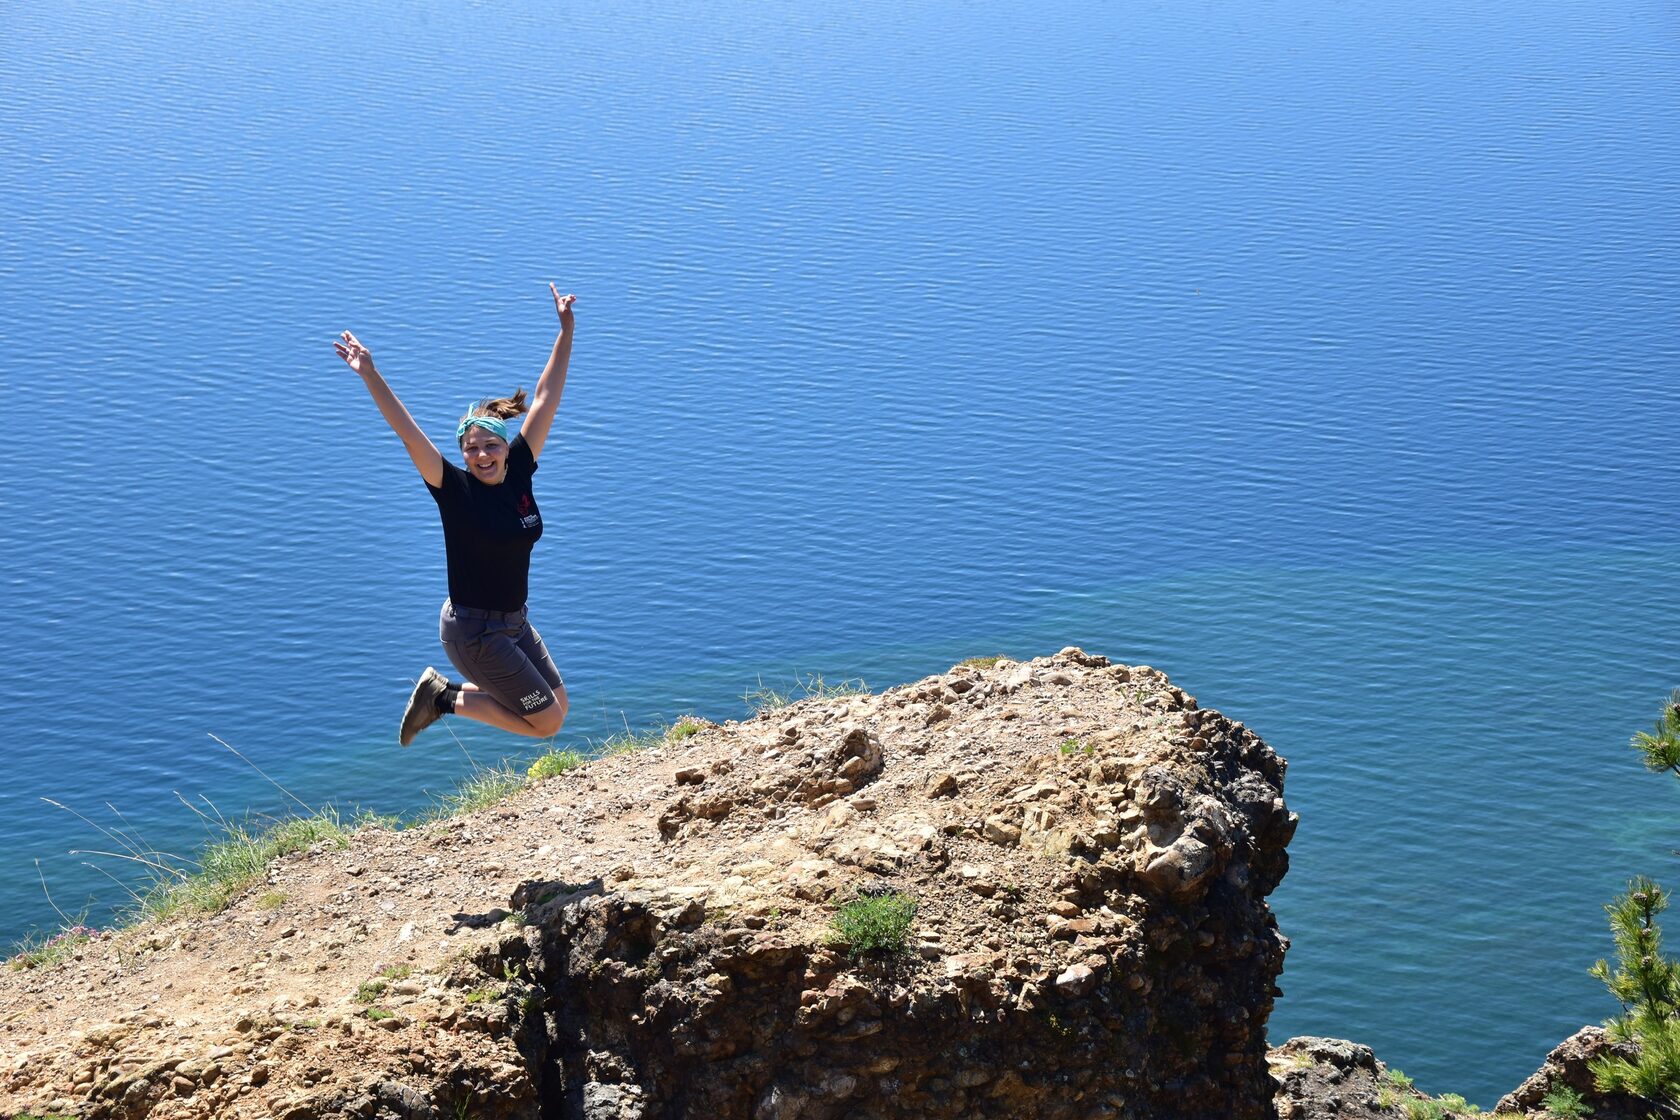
(524, 504)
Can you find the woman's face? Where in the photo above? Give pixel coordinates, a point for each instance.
(486, 455)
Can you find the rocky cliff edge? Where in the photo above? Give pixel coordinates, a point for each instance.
(652, 935)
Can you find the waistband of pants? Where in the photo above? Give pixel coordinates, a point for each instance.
(487, 616)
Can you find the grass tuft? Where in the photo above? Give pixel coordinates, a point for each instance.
(766, 698)
(560, 761)
(485, 786)
(44, 952)
(227, 866)
(627, 741)
(983, 662)
(236, 856)
(874, 923)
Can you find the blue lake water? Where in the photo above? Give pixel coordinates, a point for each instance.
(1321, 354)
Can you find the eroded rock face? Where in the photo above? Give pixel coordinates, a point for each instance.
(650, 936)
(1092, 939)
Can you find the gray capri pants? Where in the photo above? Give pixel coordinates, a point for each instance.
(502, 654)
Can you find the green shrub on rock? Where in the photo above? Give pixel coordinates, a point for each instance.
(874, 923)
(1645, 982)
(554, 763)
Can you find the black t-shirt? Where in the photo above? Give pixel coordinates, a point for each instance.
(488, 532)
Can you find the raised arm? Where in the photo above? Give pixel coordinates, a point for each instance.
(422, 450)
(553, 380)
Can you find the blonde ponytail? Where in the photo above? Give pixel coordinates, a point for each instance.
(492, 416)
(502, 408)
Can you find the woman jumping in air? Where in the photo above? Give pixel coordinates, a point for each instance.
(490, 522)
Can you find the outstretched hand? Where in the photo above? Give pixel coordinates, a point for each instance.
(563, 304)
(355, 355)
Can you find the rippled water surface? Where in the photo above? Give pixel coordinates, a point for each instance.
(1321, 354)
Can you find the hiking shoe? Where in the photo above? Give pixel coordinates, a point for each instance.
(422, 710)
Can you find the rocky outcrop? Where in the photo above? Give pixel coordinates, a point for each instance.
(1569, 1066)
(652, 935)
(1332, 1079)
(1321, 1078)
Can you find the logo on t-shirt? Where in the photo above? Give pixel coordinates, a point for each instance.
(528, 517)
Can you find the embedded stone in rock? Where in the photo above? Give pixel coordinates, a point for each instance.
(1182, 869)
(1076, 980)
(1000, 830)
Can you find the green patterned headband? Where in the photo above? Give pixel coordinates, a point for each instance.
(490, 424)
